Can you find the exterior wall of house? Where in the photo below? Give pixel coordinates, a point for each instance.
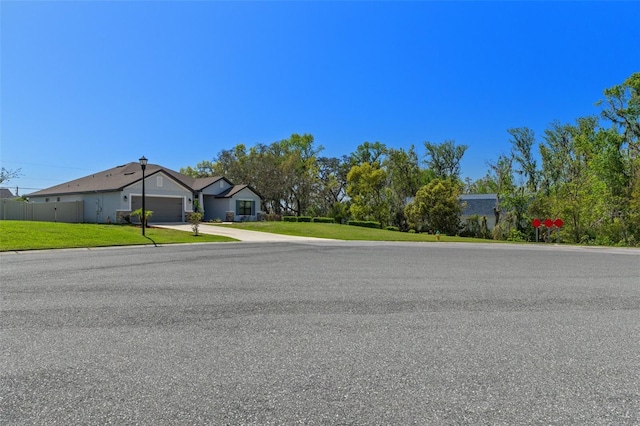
(158, 185)
(245, 195)
(101, 207)
(216, 188)
(217, 208)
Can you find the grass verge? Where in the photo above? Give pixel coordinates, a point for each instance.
(344, 232)
(21, 235)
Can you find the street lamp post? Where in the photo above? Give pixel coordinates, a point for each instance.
(143, 165)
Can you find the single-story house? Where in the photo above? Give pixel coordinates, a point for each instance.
(111, 195)
(480, 205)
(5, 193)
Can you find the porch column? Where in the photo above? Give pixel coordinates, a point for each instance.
(201, 203)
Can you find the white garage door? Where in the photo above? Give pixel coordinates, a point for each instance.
(164, 209)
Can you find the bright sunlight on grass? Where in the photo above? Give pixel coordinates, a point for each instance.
(343, 232)
(22, 235)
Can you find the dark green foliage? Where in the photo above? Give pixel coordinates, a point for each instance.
(304, 218)
(324, 220)
(475, 226)
(392, 228)
(289, 218)
(364, 223)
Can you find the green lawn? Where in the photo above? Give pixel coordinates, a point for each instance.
(343, 232)
(21, 235)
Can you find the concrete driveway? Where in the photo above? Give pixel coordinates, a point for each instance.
(239, 234)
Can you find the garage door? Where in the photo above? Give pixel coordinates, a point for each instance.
(164, 209)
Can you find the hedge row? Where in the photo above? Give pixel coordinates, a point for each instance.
(364, 223)
(324, 220)
(308, 219)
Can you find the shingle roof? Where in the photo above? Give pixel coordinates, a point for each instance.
(5, 193)
(119, 177)
(230, 192)
(478, 204)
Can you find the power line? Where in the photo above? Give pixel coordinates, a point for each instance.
(43, 165)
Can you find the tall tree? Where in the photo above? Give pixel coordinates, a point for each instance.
(522, 142)
(300, 162)
(436, 207)
(501, 172)
(331, 188)
(444, 158)
(404, 177)
(621, 107)
(367, 152)
(366, 186)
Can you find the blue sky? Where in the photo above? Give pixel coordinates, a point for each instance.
(86, 86)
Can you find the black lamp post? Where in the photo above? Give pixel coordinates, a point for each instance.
(143, 165)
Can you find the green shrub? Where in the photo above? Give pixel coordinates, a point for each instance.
(412, 231)
(147, 213)
(364, 223)
(304, 218)
(194, 219)
(324, 220)
(392, 228)
(515, 235)
(289, 218)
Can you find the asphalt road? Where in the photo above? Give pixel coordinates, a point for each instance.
(321, 333)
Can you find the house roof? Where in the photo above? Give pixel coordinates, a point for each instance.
(478, 204)
(200, 183)
(230, 192)
(5, 193)
(117, 178)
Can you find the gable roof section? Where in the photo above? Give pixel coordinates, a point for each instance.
(114, 179)
(201, 183)
(5, 193)
(230, 192)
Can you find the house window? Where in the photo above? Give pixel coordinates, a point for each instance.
(159, 181)
(245, 207)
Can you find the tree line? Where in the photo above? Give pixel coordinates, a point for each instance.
(586, 172)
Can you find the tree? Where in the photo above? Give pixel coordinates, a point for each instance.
(522, 141)
(502, 174)
(331, 185)
(485, 185)
(366, 186)
(403, 173)
(372, 153)
(444, 159)
(436, 207)
(622, 108)
(300, 163)
(6, 175)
